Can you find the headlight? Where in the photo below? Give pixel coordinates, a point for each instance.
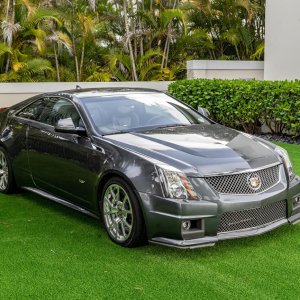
(286, 160)
(175, 184)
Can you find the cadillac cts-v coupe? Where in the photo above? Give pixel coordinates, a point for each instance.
(151, 167)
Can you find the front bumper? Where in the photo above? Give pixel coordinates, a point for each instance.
(164, 217)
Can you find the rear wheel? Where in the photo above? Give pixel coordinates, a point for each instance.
(7, 184)
(121, 214)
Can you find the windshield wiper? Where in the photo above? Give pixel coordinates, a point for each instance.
(145, 129)
(117, 132)
(170, 125)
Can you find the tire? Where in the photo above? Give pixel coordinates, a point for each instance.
(7, 182)
(121, 214)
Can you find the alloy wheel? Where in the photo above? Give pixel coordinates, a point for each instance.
(3, 172)
(117, 212)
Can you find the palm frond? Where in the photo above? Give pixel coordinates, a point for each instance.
(232, 36)
(4, 49)
(31, 8)
(36, 66)
(9, 30)
(169, 15)
(92, 4)
(150, 54)
(259, 51)
(40, 15)
(61, 38)
(40, 38)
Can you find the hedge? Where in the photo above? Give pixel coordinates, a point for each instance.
(245, 104)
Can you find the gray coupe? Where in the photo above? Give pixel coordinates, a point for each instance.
(151, 167)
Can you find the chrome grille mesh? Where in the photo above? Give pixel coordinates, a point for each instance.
(238, 183)
(250, 218)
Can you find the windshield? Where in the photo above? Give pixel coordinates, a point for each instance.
(124, 112)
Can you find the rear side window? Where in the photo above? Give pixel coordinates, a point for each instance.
(57, 109)
(50, 111)
(33, 111)
(49, 114)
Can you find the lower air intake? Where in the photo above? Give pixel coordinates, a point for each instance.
(251, 218)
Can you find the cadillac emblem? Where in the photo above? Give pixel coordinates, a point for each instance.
(254, 182)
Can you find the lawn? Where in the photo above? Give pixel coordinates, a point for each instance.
(48, 251)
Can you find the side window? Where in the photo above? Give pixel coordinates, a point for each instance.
(33, 110)
(47, 116)
(57, 109)
(50, 110)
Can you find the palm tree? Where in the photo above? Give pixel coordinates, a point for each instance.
(147, 66)
(59, 39)
(235, 26)
(125, 39)
(24, 32)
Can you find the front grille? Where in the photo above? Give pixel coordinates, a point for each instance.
(239, 183)
(251, 218)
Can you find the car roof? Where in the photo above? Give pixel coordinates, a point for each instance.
(85, 93)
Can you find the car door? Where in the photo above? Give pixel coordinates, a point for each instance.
(59, 161)
(16, 140)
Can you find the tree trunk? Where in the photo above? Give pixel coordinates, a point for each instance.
(167, 53)
(82, 59)
(165, 58)
(7, 64)
(132, 60)
(75, 56)
(141, 47)
(56, 64)
(74, 45)
(10, 17)
(237, 52)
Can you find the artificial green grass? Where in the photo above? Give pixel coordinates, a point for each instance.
(48, 251)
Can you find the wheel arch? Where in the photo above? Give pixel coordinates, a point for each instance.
(107, 175)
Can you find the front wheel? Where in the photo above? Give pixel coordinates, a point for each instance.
(121, 214)
(7, 184)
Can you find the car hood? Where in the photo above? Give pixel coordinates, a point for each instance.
(202, 149)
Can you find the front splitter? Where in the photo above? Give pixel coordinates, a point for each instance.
(209, 241)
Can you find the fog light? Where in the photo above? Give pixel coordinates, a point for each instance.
(186, 225)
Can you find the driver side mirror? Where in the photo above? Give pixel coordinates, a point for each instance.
(67, 126)
(203, 111)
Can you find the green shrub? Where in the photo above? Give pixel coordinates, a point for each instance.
(245, 104)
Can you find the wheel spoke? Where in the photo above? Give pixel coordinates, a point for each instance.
(108, 202)
(113, 224)
(118, 194)
(123, 229)
(126, 224)
(114, 194)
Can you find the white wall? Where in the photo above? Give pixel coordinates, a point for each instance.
(282, 52)
(225, 69)
(12, 93)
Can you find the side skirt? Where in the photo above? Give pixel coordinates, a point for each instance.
(60, 201)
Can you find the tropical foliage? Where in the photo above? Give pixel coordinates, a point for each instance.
(116, 40)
